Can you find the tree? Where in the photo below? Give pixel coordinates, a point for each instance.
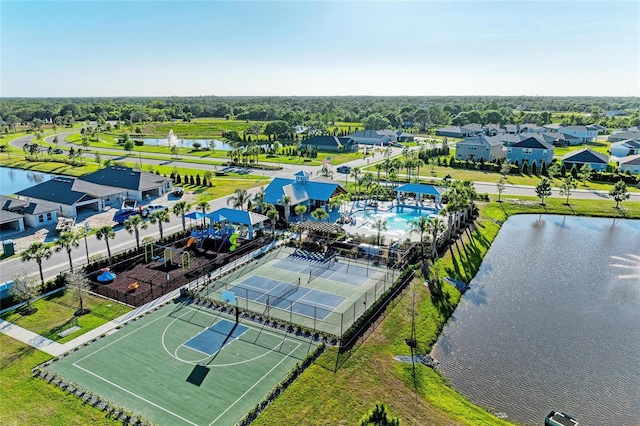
(175, 151)
(160, 217)
(128, 146)
(435, 278)
(37, 251)
(355, 174)
(505, 168)
(376, 121)
(273, 215)
(585, 173)
(435, 228)
(543, 189)
(380, 225)
(619, 192)
(239, 199)
(319, 214)
(180, 209)
(379, 417)
(68, 241)
(133, 226)
(325, 171)
(420, 226)
(300, 210)
(553, 171)
(78, 283)
(24, 289)
(500, 186)
(107, 233)
(567, 186)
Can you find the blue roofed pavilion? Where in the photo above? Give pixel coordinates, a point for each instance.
(422, 192)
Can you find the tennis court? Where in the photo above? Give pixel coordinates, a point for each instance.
(186, 365)
(322, 291)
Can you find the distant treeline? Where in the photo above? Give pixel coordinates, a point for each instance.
(374, 112)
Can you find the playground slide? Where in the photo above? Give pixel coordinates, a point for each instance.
(232, 240)
(190, 241)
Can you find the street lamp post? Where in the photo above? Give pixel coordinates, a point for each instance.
(86, 246)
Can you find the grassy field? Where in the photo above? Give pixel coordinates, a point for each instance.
(56, 312)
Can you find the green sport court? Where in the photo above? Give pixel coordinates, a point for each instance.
(186, 365)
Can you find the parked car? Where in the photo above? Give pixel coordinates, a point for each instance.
(152, 208)
(57, 151)
(344, 169)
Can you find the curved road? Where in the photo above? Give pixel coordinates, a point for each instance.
(59, 261)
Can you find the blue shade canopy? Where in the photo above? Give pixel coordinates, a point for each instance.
(195, 215)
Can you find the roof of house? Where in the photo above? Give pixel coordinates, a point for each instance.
(419, 188)
(125, 177)
(482, 140)
(25, 207)
(552, 126)
(576, 128)
(328, 141)
(631, 143)
(57, 190)
(472, 127)
(7, 216)
(596, 127)
(315, 189)
(586, 155)
(533, 143)
(632, 134)
(242, 217)
(631, 160)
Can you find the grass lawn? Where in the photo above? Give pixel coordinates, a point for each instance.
(32, 401)
(49, 167)
(56, 312)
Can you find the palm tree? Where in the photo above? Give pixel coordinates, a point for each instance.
(204, 206)
(133, 226)
(319, 214)
(239, 199)
(286, 201)
(37, 251)
(435, 228)
(300, 210)
(355, 174)
(180, 209)
(160, 217)
(380, 225)
(106, 232)
(273, 215)
(420, 226)
(258, 201)
(68, 241)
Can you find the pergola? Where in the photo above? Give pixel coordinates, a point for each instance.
(420, 190)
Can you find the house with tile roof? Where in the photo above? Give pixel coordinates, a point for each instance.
(302, 190)
(597, 160)
(530, 150)
(477, 148)
(330, 143)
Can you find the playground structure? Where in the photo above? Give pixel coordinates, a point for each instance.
(214, 239)
(167, 258)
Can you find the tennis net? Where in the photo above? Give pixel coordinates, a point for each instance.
(274, 299)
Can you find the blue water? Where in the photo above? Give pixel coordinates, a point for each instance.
(14, 180)
(397, 218)
(188, 143)
(551, 322)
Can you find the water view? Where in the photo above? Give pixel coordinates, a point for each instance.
(552, 322)
(173, 139)
(14, 180)
(396, 219)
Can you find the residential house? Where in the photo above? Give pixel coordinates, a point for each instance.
(552, 127)
(630, 164)
(480, 148)
(493, 129)
(16, 214)
(625, 148)
(381, 137)
(531, 128)
(302, 190)
(582, 134)
(465, 131)
(511, 128)
(597, 160)
(623, 136)
(135, 184)
(530, 150)
(330, 143)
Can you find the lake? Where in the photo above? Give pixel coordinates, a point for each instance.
(14, 180)
(552, 322)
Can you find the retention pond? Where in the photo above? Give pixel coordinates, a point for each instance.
(552, 321)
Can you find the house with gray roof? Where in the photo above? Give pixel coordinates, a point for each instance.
(582, 134)
(625, 148)
(468, 130)
(302, 190)
(530, 150)
(477, 148)
(134, 184)
(381, 137)
(597, 160)
(630, 164)
(16, 214)
(330, 143)
(623, 136)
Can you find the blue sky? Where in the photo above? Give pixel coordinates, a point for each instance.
(226, 48)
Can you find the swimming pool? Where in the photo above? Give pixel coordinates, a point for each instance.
(397, 219)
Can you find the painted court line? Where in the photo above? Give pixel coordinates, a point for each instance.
(256, 384)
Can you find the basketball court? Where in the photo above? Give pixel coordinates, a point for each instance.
(186, 365)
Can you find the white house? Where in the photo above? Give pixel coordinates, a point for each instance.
(16, 214)
(625, 148)
(630, 164)
(582, 134)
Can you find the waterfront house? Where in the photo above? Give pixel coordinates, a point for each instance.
(597, 160)
(16, 214)
(330, 143)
